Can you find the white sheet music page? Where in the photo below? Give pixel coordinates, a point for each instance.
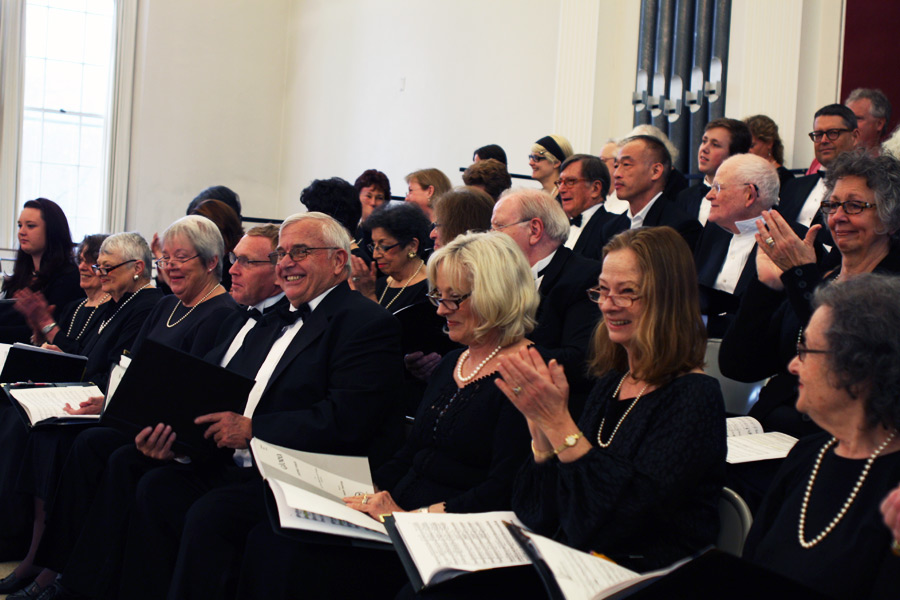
(46, 402)
(762, 446)
(443, 545)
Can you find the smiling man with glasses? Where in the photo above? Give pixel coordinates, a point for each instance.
(834, 133)
(583, 184)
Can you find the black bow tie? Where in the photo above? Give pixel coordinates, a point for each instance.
(254, 314)
(288, 316)
(576, 221)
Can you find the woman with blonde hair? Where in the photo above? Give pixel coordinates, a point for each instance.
(426, 186)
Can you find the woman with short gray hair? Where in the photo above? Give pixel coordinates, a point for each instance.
(819, 523)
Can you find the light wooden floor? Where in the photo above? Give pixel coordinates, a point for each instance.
(6, 569)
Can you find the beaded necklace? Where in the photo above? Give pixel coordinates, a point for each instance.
(801, 525)
(169, 324)
(103, 324)
(465, 356)
(88, 321)
(606, 444)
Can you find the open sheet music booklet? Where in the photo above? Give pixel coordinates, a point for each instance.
(439, 547)
(748, 443)
(46, 403)
(309, 487)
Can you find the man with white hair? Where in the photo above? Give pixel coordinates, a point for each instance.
(565, 317)
(745, 185)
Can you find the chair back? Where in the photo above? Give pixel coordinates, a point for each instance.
(734, 522)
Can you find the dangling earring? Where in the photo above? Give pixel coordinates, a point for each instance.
(411, 255)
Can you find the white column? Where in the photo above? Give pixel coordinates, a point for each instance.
(12, 60)
(120, 115)
(576, 69)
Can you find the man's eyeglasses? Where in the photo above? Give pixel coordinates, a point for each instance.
(246, 262)
(851, 207)
(600, 295)
(448, 303)
(568, 181)
(381, 249)
(502, 227)
(101, 270)
(719, 186)
(174, 263)
(297, 253)
(802, 351)
(831, 134)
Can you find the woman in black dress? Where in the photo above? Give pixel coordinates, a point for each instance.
(819, 523)
(44, 263)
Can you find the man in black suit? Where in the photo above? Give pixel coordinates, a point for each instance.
(642, 166)
(565, 317)
(583, 185)
(325, 385)
(834, 132)
(721, 138)
(745, 185)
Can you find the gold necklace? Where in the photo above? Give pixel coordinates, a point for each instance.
(386, 288)
(801, 525)
(169, 324)
(606, 444)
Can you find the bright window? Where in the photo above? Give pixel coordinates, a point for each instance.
(70, 46)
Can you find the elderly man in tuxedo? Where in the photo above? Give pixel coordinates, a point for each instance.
(744, 186)
(566, 317)
(327, 363)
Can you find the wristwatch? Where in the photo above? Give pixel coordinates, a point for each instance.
(568, 441)
(48, 328)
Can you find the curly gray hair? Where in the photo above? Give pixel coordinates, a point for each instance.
(864, 342)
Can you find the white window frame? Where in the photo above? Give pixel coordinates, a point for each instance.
(12, 60)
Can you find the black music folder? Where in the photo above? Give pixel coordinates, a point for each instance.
(165, 385)
(24, 362)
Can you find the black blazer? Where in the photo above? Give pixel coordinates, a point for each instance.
(566, 318)
(591, 241)
(712, 249)
(793, 197)
(663, 212)
(334, 389)
(691, 199)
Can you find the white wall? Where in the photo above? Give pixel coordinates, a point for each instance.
(405, 84)
(784, 61)
(266, 96)
(208, 105)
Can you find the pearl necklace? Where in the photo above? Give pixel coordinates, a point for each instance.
(169, 324)
(465, 356)
(801, 526)
(103, 324)
(386, 288)
(88, 321)
(606, 444)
